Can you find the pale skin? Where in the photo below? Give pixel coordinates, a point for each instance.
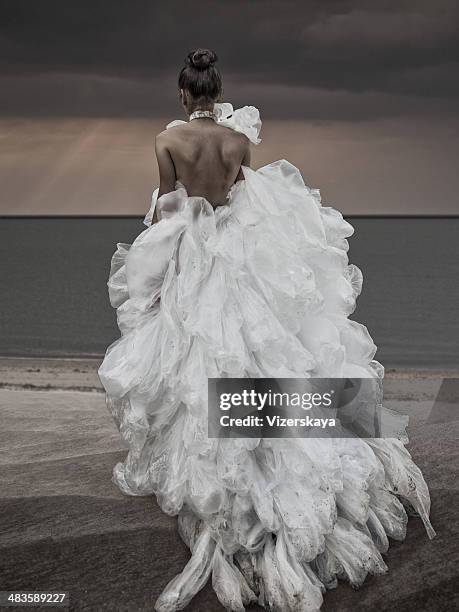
(205, 157)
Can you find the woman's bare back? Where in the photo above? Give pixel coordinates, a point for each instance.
(205, 157)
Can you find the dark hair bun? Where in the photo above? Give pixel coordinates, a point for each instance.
(201, 59)
(200, 77)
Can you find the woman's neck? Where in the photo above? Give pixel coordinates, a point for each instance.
(200, 105)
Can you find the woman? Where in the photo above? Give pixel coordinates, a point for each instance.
(244, 273)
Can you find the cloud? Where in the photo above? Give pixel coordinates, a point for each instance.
(386, 51)
(90, 95)
(133, 51)
(361, 95)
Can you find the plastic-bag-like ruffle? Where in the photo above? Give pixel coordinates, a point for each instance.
(261, 287)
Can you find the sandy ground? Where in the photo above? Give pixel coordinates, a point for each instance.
(65, 526)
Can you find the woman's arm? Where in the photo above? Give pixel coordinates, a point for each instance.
(166, 168)
(245, 162)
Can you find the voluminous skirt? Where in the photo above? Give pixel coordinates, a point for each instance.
(260, 287)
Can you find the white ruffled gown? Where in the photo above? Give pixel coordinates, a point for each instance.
(260, 287)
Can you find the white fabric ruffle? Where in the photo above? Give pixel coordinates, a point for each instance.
(261, 287)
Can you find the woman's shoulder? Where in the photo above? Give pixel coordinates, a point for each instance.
(172, 133)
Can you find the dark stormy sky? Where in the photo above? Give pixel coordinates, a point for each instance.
(361, 95)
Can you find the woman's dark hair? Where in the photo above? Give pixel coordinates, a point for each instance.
(200, 76)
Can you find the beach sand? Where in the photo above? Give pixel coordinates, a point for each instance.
(66, 526)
